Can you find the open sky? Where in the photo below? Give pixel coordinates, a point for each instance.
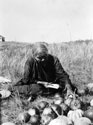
(46, 20)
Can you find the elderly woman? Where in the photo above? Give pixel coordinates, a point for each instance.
(44, 67)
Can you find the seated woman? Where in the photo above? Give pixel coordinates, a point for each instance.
(44, 67)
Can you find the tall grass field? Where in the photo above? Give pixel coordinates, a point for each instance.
(76, 58)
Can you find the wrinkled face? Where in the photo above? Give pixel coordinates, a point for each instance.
(41, 57)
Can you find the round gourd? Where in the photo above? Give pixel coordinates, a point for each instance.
(91, 91)
(89, 85)
(57, 95)
(57, 108)
(65, 108)
(45, 119)
(47, 111)
(33, 111)
(73, 115)
(47, 115)
(35, 120)
(42, 105)
(58, 101)
(81, 92)
(8, 123)
(61, 120)
(89, 114)
(24, 117)
(4, 93)
(82, 121)
(91, 102)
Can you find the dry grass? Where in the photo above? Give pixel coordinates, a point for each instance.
(76, 58)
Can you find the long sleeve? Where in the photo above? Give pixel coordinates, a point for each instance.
(61, 76)
(27, 73)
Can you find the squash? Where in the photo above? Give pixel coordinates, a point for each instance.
(73, 115)
(35, 120)
(61, 120)
(35, 115)
(45, 119)
(89, 113)
(90, 88)
(47, 111)
(85, 102)
(24, 117)
(58, 101)
(89, 85)
(82, 121)
(91, 102)
(33, 111)
(8, 123)
(81, 91)
(4, 93)
(57, 95)
(47, 115)
(57, 108)
(65, 108)
(42, 105)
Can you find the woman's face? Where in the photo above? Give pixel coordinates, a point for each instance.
(41, 57)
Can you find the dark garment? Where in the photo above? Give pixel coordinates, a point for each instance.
(35, 90)
(49, 70)
(27, 90)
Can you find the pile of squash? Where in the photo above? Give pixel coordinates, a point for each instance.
(67, 111)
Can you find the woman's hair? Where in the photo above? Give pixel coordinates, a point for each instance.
(39, 48)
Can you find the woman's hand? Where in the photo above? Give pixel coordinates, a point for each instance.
(69, 92)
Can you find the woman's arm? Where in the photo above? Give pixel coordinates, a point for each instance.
(61, 76)
(27, 73)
